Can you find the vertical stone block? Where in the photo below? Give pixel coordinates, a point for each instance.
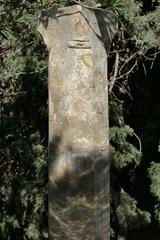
(78, 40)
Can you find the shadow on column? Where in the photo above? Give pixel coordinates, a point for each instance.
(78, 194)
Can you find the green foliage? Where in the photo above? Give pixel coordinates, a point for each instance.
(157, 212)
(23, 123)
(129, 215)
(127, 9)
(138, 36)
(144, 29)
(119, 135)
(123, 153)
(7, 224)
(115, 112)
(154, 175)
(32, 232)
(147, 28)
(30, 163)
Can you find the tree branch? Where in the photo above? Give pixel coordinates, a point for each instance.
(112, 82)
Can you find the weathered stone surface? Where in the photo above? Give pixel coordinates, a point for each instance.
(78, 40)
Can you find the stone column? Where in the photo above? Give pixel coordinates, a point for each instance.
(78, 39)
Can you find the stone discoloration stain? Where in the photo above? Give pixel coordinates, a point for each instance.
(80, 28)
(87, 60)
